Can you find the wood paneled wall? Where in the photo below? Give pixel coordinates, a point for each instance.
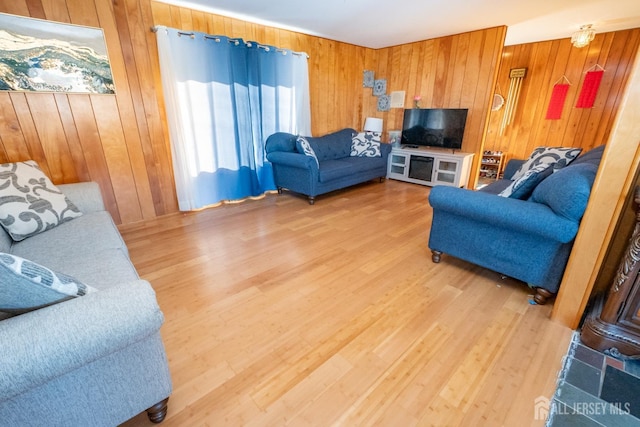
(122, 141)
(457, 71)
(118, 141)
(547, 62)
(335, 69)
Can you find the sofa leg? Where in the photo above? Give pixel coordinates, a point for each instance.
(542, 295)
(279, 190)
(158, 411)
(312, 200)
(382, 179)
(435, 256)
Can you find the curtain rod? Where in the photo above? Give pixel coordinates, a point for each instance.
(237, 41)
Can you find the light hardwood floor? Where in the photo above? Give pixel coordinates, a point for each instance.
(281, 313)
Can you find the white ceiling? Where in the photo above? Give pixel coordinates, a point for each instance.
(383, 23)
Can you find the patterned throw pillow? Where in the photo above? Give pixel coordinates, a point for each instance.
(558, 157)
(303, 146)
(29, 202)
(522, 187)
(27, 286)
(366, 144)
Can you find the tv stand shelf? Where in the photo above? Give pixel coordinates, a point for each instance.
(427, 166)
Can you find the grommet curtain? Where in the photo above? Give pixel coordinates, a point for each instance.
(223, 98)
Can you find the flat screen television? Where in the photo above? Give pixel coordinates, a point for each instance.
(434, 127)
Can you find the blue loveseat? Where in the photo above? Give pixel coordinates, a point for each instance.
(528, 239)
(335, 168)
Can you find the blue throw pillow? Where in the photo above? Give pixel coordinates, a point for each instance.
(303, 146)
(522, 187)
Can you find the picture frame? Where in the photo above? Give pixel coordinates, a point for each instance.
(37, 55)
(394, 137)
(367, 78)
(379, 87)
(383, 103)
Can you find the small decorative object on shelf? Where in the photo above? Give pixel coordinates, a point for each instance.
(416, 101)
(492, 164)
(394, 137)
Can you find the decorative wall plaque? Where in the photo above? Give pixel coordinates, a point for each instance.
(380, 87)
(367, 78)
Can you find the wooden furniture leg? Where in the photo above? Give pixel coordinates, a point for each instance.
(435, 256)
(158, 412)
(542, 295)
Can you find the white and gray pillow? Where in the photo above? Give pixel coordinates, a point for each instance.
(366, 144)
(558, 157)
(303, 146)
(26, 286)
(29, 202)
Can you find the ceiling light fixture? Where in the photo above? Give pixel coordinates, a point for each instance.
(583, 36)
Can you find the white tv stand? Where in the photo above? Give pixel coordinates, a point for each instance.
(429, 166)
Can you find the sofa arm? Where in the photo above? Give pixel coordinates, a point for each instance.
(502, 212)
(296, 160)
(47, 343)
(385, 149)
(85, 195)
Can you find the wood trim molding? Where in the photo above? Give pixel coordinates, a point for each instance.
(610, 190)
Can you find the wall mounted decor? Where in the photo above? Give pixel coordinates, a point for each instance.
(367, 78)
(498, 99)
(558, 97)
(380, 87)
(590, 87)
(384, 103)
(45, 56)
(397, 99)
(516, 75)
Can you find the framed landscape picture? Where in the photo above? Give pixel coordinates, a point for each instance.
(46, 56)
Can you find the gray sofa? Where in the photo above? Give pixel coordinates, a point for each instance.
(95, 360)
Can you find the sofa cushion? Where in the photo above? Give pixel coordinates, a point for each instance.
(101, 270)
(332, 146)
(559, 157)
(366, 144)
(27, 286)
(303, 146)
(567, 191)
(71, 241)
(29, 202)
(522, 187)
(496, 186)
(593, 156)
(347, 167)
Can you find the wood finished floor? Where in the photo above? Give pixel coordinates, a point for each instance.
(281, 313)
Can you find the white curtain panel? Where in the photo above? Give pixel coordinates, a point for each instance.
(223, 98)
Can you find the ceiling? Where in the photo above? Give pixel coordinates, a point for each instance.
(383, 23)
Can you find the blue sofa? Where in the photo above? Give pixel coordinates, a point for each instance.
(528, 239)
(335, 169)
